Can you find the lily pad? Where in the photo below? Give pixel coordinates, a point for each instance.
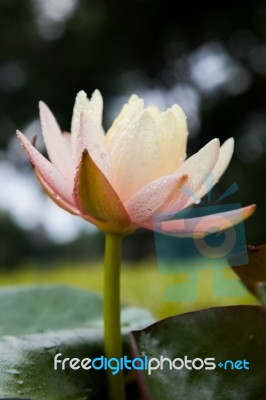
(235, 337)
(38, 322)
(253, 275)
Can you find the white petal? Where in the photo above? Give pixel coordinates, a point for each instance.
(154, 145)
(181, 122)
(58, 152)
(129, 112)
(154, 111)
(134, 156)
(198, 166)
(172, 132)
(224, 159)
(96, 106)
(225, 155)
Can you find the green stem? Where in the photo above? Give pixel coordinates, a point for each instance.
(112, 325)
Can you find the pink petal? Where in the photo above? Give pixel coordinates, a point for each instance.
(60, 202)
(202, 226)
(162, 195)
(58, 151)
(54, 196)
(67, 139)
(61, 186)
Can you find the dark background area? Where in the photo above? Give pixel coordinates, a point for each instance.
(209, 57)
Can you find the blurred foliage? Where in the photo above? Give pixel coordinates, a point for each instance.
(18, 248)
(50, 50)
(101, 41)
(142, 284)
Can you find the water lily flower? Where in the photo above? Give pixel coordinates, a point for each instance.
(119, 180)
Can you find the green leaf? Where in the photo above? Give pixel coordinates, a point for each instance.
(261, 291)
(226, 333)
(36, 323)
(253, 275)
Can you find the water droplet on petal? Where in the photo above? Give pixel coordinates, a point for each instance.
(12, 371)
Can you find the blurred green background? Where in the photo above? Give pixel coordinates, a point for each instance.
(209, 57)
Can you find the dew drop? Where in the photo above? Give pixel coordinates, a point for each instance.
(13, 372)
(251, 338)
(20, 382)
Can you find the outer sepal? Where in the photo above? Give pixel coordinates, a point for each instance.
(95, 197)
